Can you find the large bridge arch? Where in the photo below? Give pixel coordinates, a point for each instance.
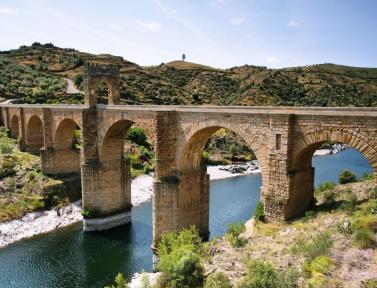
(302, 172)
(34, 134)
(196, 136)
(194, 181)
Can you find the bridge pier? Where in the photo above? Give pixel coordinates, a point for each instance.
(60, 161)
(106, 194)
(182, 201)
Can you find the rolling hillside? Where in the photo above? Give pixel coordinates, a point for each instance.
(36, 74)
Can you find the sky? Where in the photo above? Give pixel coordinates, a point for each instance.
(218, 33)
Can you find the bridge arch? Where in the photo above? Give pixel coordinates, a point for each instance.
(34, 134)
(194, 181)
(65, 133)
(302, 181)
(14, 127)
(113, 141)
(196, 136)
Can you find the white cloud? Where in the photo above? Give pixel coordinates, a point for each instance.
(148, 26)
(273, 60)
(237, 21)
(293, 23)
(7, 11)
(116, 27)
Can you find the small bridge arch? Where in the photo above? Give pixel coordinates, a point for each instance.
(301, 169)
(34, 134)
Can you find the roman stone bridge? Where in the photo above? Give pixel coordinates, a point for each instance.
(282, 138)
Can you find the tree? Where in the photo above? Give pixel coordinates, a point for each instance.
(347, 176)
(78, 79)
(183, 57)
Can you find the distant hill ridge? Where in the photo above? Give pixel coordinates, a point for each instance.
(36, 75)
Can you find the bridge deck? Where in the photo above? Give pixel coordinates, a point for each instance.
(315, 111)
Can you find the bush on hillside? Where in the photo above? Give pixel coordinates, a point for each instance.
(259, 212)
(179, 258)
(138, 136)
(217, 280)
(319, 245)
(347, 176)
(233, 234)
(263, 274)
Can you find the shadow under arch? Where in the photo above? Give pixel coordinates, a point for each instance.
(302, 172)
(14, 127)
(194, 180)
(34, 134)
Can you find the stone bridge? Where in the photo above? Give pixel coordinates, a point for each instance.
(282, 138)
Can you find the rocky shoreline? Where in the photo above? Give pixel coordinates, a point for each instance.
(333, 149)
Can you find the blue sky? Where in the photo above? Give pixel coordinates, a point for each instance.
(219, 33)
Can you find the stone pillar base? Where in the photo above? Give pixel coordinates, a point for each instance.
(106, 222)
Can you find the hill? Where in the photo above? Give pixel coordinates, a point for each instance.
(37, 74)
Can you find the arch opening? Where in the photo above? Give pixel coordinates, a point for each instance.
(124, 154)
(14, 127)
(208, 147)
(67, 135)
(322, 161)
(34, 134)
(102, 91)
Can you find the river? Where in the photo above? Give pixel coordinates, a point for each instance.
(68, 257)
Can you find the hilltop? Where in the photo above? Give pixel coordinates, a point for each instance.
(37, 74)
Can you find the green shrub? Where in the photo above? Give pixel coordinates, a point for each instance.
(321, 264)
(350, 205)
(260, 274)
(179, 258)
(347, 176)
(120, 282)
(86, 213)
(233, 149)
(325, 186)
(205, 156)
(367, 176)
(6, 145)
(217, 280)
(77, 79)
(144, 281)
(259, 212)
(317, 246)
(370, 283)
(7, 167)
(364, 239)
(138, 136)
(146, 153)
(233, 234)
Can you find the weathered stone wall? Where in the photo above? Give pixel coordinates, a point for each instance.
(282, 138)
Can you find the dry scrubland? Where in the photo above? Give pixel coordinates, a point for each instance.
(332, 245)
(36, 75)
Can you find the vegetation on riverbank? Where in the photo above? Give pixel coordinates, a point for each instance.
(23, 187)
(332, 245)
